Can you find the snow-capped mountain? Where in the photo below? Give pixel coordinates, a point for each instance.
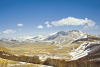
(59, 38)
(68, 36)
(27, 38)
(3, 38)
(60, 33)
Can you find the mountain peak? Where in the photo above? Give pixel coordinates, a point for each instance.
(66, 32)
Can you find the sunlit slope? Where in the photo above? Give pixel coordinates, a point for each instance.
(86, 47)
(5, 49)
(7, 43)
(5, 62)
(10, 60)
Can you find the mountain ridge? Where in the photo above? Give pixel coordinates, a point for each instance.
(56, 37)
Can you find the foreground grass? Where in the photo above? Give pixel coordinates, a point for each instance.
(75, 63)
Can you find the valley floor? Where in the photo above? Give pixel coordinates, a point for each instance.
(43, 50)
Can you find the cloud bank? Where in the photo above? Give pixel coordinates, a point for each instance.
(74, 21)
(40, 26)
(9, 31)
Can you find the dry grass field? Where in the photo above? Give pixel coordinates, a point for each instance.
(11, 63)
(42, 49)
(46, 49)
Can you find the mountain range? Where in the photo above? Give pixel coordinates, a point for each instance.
(57, 37)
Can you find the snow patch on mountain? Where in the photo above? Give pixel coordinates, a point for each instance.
(27, 38)
(85, 49)
(63, 33)
(79, 52)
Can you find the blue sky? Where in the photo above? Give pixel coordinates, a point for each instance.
(41, 17)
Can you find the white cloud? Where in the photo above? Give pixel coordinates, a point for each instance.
(19, 29)
(40, 26)
(48, 25)
(96, 26)
(74, 21)
(20, 24)
(86, 27)
(0, 32)
(47, 22)
(90, 25)
(9, 31)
